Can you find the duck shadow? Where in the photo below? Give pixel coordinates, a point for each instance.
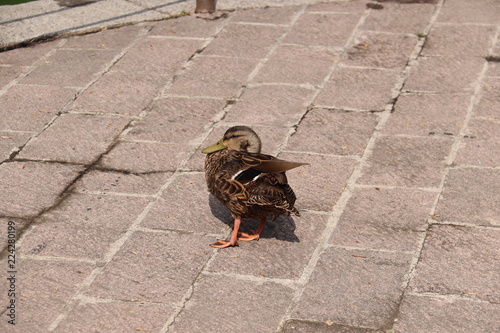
(283, 228)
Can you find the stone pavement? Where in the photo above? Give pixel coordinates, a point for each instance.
(396, 109)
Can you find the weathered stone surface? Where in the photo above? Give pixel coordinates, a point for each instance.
(69, 67)
(83, 226)
(375, 49)
(272, 15)
(213, 76)
(333, 132)
(443, 74)
(433, 314)
(185, 205)
(10, 73)
(470, 195)
(297, 64)
(109, 39)
(271, 105)
(153, 267)
(359, 89)
(27, 56)
(463, 11)
(44, 290)
(75, 138)
(144, 157)
(488, 102)
(483, 137)
(459, 40)
(119, 182)
(363, 288)
(403, 161)
(357, 7)
(428, 114)
(283, 250)
(126, 93)
(27, 188)
(319, 185)
(400, 18)
(18, 113)
(256, 44)
(459, 261)
(306, 326)
(268, 301)
(164, 55)
(177, 120)
(384, 219)
(104, 316)
(186, 26)
(11, 142)
(325, 29)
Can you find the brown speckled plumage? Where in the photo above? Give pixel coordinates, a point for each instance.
(268, 195)
(248, 183)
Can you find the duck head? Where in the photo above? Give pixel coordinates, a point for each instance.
(241, 138)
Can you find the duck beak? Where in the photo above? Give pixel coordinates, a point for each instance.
(216, 147)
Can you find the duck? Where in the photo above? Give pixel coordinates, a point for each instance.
(250, 184)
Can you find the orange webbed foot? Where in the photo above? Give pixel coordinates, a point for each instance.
(220, 244)
(243, 236)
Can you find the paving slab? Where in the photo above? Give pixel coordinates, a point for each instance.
(437, 115)
(44, 290)
(79, 138)
(374, 279)
(160, 268)
(125, 93)
(322, 29)
(139, 317)
(176, 120)
(297, 64)
(397, 224)
(10, 141)
(407, 161)
(455, 40)
(71, 68)
(147, 157)
(465, 259)
(481, 139)
(455, 74)
(321, 183)
(169, 212)
(381, 50)
(258, 41)
(213, 77)
(21, 114)
(353, 88)
(285, 247)
(119, 182)
(469, 196)
(446, 314)
(333, 132)
(210, 309)
(27, 188)
(394, 105)
(271, 105)
(400, 18)
(84, 226)
(488, 96)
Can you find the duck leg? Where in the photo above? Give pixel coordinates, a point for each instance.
(256, 234)
(233, 241)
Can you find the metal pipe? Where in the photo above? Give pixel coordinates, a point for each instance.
(205, 6)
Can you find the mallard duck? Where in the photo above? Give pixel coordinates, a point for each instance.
(250, 184)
